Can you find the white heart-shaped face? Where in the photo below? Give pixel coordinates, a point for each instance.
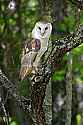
(42, 30)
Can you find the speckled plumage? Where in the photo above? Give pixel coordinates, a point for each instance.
(34, 50)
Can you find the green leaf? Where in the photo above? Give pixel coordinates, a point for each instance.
(59, 75)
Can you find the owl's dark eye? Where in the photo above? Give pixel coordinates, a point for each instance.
(46, 28)
(39, 28)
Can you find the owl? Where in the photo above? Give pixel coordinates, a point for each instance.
(35, 48)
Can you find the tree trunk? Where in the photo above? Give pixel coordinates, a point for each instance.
(37, 96)
(69, 90)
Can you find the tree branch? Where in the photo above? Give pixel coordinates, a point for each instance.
(13, 90)
(61, 47)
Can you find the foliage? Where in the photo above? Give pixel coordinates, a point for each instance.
(16, 26)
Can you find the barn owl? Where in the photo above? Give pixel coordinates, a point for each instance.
(35, 49)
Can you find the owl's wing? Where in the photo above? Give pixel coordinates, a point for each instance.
(28, 56)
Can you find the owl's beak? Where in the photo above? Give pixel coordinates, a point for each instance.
(42, 33)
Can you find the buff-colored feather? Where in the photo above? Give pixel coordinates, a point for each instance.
(35, 49)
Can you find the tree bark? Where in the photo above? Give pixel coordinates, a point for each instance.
(69, 90)
(38, 93)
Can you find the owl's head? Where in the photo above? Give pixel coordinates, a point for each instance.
(42, 30)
